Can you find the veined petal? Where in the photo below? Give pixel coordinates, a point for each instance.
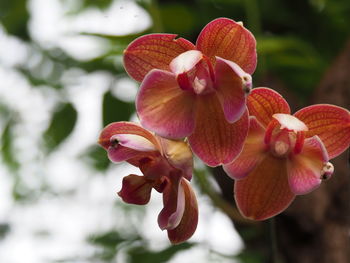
(179, 154)
(153, 51)
(253, 152)
(331, 123)
(189, 220)
(265, 192)
(232, 84)
(264, 102)
(123, 127)
(214, 140)
(228, 39)
(163, 107)
(305, 169)
(174, 203)
(136, 190)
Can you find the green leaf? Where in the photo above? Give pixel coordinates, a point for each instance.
(170, 14)
(96, 156)
(116, 110)
(250, 256)
(98, 3)
(108, 239)
(141, 254)
(7, 151)
(62, 124)
(14, 17)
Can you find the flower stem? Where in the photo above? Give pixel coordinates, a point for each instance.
(273, 241)
(231, 211)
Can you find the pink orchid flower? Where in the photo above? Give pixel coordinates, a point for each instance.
(196, 91)
(285, 155)
(166, 166)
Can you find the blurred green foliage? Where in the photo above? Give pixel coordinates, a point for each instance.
(115, 109)
(96, 157)
(7, 149)
(14, 17)
(62, 124)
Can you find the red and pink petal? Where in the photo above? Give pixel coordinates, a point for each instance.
(174, 203)
(305, 170)
(189, 220)
(153, 51)
(120, 153)
(265, 192)
(106, 138)
(136, 190)
(214, 140)
(135, 142)
(163, 107)
(330, 123)
(178, 154)
(232, 85)
(253, 152)
(185, 61)
(230, 40)
(264, 102)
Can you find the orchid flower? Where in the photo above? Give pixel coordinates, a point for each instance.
(166, 166)
(196, 91)
(285, 155)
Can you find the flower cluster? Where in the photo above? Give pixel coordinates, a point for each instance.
(203, 93)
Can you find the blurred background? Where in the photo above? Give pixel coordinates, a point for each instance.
(62, 80)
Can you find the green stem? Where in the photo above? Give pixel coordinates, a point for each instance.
(155, 14)
(218, 201)
(273, 241)
(253, 16)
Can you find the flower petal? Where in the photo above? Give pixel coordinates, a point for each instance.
(231, 86)
(253, 152)
(120, 153)
(179, 155)
(305, 169)
(265, 192)
(264, 102)
(123, 127)
(189, 220)
(163, 107)
(136, 190)
(174, 203)
(290, 122)
(185, 61)
(214, 140)
(153, 51)
(331, 123)
(135, 142)
(228, 39)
